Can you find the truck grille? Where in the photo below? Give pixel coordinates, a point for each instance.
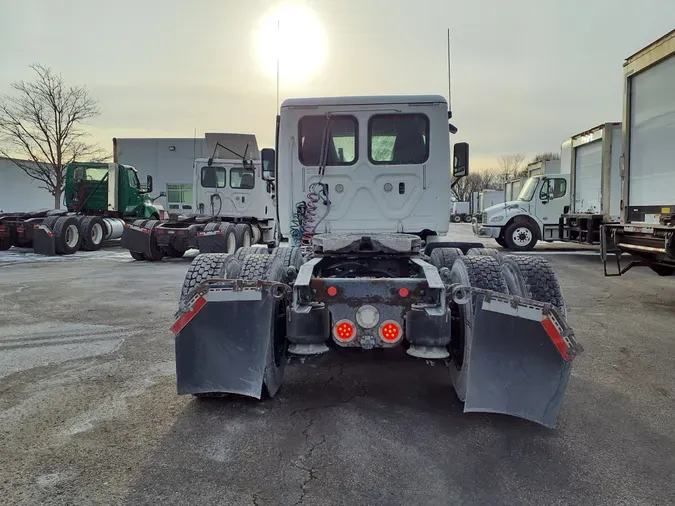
(484, 217)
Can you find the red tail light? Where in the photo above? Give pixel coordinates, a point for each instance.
(391, 332)
(344, 331)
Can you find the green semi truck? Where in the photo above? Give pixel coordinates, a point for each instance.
(99, 199)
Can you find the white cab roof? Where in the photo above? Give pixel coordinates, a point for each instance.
(367, 100)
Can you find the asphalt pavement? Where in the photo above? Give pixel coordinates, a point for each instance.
(89, 414)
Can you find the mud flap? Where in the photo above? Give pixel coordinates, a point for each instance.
(222, 342)
(520, 361)
(43, 241)
(211, 242)
(136, 239)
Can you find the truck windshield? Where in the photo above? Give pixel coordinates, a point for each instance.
(528, 190)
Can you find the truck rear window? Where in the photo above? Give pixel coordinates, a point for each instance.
(398, 139)
(342, 143)
(213, 177)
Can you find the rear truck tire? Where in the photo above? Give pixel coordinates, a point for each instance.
(479, 272)
(501, 242)
(287, 257)
(270, 268)
(483, 252)
(50, 221)
(66, 235)
(209, 266)
(227, 229)
(467, 218)
(257, 233)
(5, 243)
(242, 234)
(456, 218)
(254, 267)
(244, 252)
(92, 230)
(156, 254)
(211, 227)
(520, 237)
(445, 257)
(533, 278)
(135, 255)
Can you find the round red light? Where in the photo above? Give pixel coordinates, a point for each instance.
(332, 291)
(390, 332)
(403, 292)
(344, 330)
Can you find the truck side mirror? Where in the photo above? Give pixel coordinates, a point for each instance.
(268, 164)
(149, 184)
(460, 163)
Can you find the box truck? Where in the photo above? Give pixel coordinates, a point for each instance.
(592, 159)
(647, 227)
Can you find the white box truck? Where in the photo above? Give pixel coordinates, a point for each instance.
(647, 227)
(460, 212)
(545, 167)
(512, 189)
(592, 159)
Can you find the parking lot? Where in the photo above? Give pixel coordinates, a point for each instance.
(89, 414)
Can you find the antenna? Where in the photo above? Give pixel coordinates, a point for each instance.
(449, 80)
(278, 57)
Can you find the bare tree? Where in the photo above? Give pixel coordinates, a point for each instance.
(543, 157)
(510, 166)
(486, 179)
(41, 128)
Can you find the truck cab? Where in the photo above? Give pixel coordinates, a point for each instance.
(533, 216)
(384, 168)
(109, 189)
(230, 188)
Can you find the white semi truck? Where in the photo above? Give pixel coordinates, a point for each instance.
(592, 159)
(233, 205)
(376, 275)
(647, 227)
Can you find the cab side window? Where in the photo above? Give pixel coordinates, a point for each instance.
(559, 187)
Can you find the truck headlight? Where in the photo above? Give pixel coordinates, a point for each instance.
(496, 219)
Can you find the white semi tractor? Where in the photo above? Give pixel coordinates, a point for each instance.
(592, 159)
(646, 229)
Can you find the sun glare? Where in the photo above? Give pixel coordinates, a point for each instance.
(292, 33)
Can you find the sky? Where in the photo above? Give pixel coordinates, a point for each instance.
(526, 74)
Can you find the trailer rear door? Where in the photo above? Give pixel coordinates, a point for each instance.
(588, 178)
(652, 136)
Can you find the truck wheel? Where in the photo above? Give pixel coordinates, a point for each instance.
(467, 218)
(66, 235)
(5, 243)
(136, 255)
(255, 267)
(209, 266)
(227, 230)
(480, 272)
(456, 218)
(445, 257)
(92, 230)
(278, 347)
(156, 254)
(50, 221)
(501, 242)
(286, 257)
(257, 233)
(242, 234)
(483, 252)
(253, 250)
(211, 227)
(520, 237)
(533, 278)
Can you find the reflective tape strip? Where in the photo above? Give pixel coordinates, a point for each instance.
(556, 337)
(641, 248)
(202, 234)
(188, 315)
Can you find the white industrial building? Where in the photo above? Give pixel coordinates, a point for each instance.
(18, 192)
